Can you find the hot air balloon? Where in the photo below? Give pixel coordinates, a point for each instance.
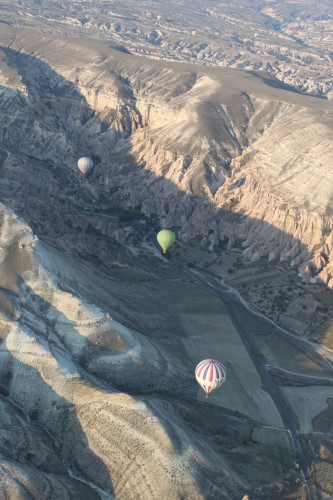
(85, 165)
(210, 374)
(166, 239)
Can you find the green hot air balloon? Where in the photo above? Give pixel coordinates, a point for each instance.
(166, 239)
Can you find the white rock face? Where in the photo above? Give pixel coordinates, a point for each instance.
(218, 154)
(54, 356)
(234, 141)
(290, 40)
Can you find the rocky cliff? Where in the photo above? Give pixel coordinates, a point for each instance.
(216, 153)
(67, 426)
(290, 40)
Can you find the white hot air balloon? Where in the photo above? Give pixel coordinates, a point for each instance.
(85, 165)
(210, 374)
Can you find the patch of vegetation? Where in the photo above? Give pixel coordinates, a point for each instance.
(129, 215)
(97, 233)
(3, 157)
(153, 222)
(34, 414)
(68, 223)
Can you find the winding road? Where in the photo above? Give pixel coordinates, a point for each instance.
(242, 316)
(240, 321)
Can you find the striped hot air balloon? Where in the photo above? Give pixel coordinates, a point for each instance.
(210, 374)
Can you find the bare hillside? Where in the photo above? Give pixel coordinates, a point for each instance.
(100, 334)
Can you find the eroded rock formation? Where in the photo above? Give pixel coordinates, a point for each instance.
(218, 153)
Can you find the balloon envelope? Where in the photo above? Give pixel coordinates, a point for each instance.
(85, 164)
(210, 374)
(166, 238)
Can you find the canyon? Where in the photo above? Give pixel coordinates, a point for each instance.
(100, 334)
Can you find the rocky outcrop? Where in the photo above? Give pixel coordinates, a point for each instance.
(67, 425)
(217, 153)
(290, 41)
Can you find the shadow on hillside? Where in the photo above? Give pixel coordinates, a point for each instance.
(175, 404)
(45, 187)
(42, 400)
